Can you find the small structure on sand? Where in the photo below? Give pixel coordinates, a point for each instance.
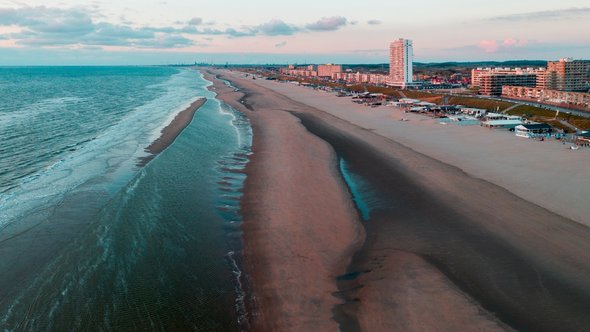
(504, 124)
(583, 139)
(476, 112)
(497, 120)
(529, 130)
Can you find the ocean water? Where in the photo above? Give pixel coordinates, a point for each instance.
(90, 241)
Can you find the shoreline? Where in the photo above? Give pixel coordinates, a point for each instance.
(296, 241)
(431, 261)
(169, 133)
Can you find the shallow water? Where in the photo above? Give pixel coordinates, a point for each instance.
(113, 246)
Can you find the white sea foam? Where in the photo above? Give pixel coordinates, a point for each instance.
(239, 289)
(238, 121)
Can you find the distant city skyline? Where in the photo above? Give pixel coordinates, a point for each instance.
(61, 32)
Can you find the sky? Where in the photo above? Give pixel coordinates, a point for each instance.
(138, 32)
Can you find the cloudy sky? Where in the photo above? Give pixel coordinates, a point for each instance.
(35, 32)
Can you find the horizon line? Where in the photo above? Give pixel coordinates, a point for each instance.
(196, 63)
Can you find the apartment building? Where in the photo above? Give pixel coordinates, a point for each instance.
(328, 69)
(491, 85)
(377, 79)
(491, 80)
(539, 94)
(566, 75)
(401, 59)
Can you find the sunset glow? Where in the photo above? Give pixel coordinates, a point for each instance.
(109, 32)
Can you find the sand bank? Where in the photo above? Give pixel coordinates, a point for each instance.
(446, 250)
(171, 131)
(300, 226)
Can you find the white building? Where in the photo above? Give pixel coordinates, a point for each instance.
(499, 120)
(477, 112)
(401, 57)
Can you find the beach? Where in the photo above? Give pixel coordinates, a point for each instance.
(470, 230)
(278, 214)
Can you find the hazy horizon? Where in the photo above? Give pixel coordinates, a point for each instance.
(220, 64)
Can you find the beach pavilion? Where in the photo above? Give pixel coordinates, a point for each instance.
(529, 130)
(506, 124)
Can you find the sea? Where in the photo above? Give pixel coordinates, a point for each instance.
(89, 240)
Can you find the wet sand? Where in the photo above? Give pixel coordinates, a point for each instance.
(517, 261)
(443, 250)
(171, 131)
(299, 224)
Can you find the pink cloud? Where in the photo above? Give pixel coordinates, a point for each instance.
(489, 45)
(493, 46)
(512, 42)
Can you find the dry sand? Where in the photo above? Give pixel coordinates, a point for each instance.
(546, 173)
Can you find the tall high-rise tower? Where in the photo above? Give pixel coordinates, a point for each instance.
(401, 58)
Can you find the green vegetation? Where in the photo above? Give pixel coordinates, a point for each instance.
(435, 98)
(384, 90)
(558, 125)
(533, 111)
(486, 104)
(544, 115)
(414, 94)
(580, 122)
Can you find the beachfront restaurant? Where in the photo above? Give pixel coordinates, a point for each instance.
(503, 121)
(501, 124)
(529, 130)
